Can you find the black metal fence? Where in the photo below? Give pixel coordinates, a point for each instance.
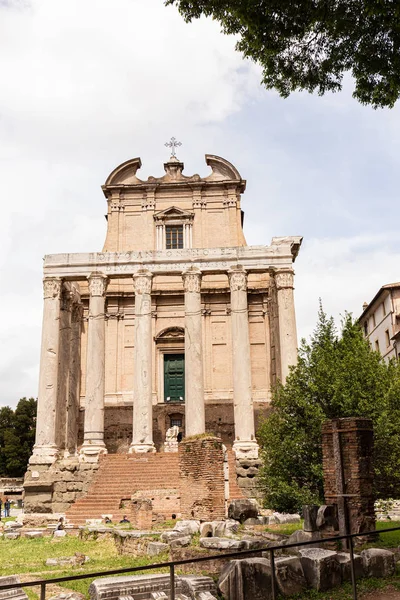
(172, 564)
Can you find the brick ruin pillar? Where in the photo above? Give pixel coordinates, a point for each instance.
(347, 448)
(201, 477)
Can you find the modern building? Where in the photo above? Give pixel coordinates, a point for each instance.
(176, 322)
(380, 321)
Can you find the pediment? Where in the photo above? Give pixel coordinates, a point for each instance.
(171, 333)
(173, 212)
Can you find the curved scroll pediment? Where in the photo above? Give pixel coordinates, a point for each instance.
(171, 333)
(125, 174)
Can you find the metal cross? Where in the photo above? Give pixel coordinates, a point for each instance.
(173, 144)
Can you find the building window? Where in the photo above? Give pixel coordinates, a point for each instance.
(173, 236)
(387, 336)
(373, 320)
(176, 422)
(384, 308)
(377, 345)
(365, 328)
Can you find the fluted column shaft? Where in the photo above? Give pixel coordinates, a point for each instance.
(45, 450)
(194, 382)
(284, 280)
(245, 445)
(93, 441)
(142, 438)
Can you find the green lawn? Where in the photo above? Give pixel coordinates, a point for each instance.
(28, 557)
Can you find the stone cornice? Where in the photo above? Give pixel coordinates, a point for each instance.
(208, 260)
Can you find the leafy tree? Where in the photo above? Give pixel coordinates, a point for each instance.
(336, 376)
(310, 44)
(17, 437)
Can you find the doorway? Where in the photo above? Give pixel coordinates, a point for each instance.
(174, 378)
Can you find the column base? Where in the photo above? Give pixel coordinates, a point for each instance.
(44, 455)
(245, 449)
(90, 453)
(141, 448)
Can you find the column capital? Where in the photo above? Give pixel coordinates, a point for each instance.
(52, 287)
(97, 284)
(284, 278)
(192, 280)
(142, 281)
(237, 279)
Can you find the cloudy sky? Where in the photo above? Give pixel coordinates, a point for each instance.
(87, 84)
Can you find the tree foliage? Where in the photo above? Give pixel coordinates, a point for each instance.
(17, 437)
(336, 376)
(310, 44)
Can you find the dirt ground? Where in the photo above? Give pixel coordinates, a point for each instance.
(390, 593)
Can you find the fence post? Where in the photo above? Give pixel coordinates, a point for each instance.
(171, 582)
(352, 568)
(42, 591)
(273, 581)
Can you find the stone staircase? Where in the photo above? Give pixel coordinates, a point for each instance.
(121, 475)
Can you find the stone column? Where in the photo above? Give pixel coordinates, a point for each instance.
(286, 319)
(63, 364)
(245, 445)
(194, 382)
(93, 440)
(142, 438)
(71, 438)
(45, 450)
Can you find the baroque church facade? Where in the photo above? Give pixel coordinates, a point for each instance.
(176, 322)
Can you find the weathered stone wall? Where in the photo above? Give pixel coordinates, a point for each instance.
(353, 449)
(118, 423)
(201, 470)
(55, 488)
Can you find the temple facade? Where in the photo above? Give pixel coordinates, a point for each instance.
(175, 323)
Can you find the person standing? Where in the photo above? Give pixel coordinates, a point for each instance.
(7, 508)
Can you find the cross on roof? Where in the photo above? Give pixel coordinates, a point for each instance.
(173, 144)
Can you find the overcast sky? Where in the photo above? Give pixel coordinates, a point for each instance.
(88, 84)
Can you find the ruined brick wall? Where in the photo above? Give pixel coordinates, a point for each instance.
(201, 474)
(353, 448)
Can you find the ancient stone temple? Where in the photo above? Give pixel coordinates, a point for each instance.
(175, 323)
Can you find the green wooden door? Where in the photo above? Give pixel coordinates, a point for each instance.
(174, 377)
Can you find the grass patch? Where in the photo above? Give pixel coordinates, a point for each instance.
(286, 529)
(27, 558)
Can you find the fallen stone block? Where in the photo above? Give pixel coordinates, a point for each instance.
(321, 568)
(257, 521)
(155, 596)
(345, 565)
(378, 562)
(69, 596)
(59, 533)
(254, 543)
(327, 518)
(284, 518)
(217, 543)
(12, 536)
(310, 513)
(194, 585)
(169, 536)
(148, 586)
(206, 596)
(242, 509)
(155, 548)
(181, 542)
(247, 579)
(14, 593)
(290, 576)
(299, 536)
(33, 534)
(189, 527)
(207, 529)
